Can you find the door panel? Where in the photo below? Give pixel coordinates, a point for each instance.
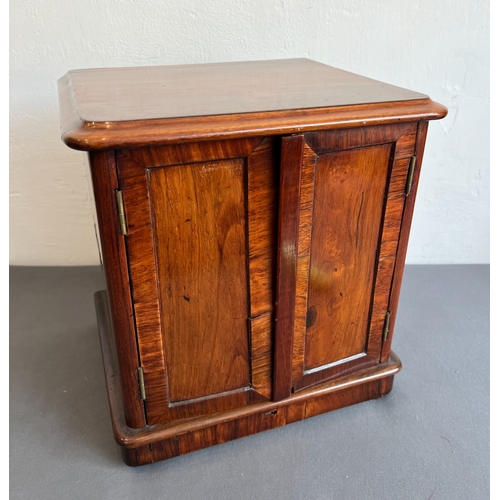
(200, 228)
(348, 202)
(352, 195)
(201, 222)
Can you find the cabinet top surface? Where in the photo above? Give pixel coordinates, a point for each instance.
(106, 98)
(141, 93)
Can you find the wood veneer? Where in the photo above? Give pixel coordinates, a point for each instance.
(267, 212)
(129, 107)
(161, 441)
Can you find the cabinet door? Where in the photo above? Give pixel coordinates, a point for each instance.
(201, 222)
(338, 240)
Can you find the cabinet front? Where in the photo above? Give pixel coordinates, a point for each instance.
(260, 267)
(349, 210)
(201, 233)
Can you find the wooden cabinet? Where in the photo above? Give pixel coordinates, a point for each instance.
(253, 222)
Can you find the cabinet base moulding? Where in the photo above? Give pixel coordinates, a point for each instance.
(161, 441)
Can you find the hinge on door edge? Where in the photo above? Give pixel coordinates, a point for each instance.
(120, 207)
(411, 171)
(386, 326)
(142, 388)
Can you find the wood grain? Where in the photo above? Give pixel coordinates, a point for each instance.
(261, 344)
(177, 154)
(131, 107)
(390, 237)
(361, 137)
(405, 145)
(409, 205)
(144, 282)
(348, 201)
(396, 165)
(253, 283)
(286, 274)
(161, 441)
(262, 182)
(247, 425)
(303, 260)
(105, 182)
(172, 331)
(142, 93)
(200, 229)
(95, 136)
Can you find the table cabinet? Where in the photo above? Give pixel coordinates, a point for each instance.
(253, 222)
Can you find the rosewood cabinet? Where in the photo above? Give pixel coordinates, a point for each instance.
(253, 222)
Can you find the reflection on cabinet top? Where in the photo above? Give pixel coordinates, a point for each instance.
(122, 107)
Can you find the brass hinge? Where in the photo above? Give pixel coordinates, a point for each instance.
(142, 387)
(120, 207)
(387, 322)
(411, 171)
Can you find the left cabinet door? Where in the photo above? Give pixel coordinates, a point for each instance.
(201, 232)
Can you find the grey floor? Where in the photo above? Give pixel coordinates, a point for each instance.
(428, 439)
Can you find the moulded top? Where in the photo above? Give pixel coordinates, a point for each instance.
(124, 107)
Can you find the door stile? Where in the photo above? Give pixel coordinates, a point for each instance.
(288, 235)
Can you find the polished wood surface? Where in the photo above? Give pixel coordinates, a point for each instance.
(200, 229)
(402, 244)
(262, 182)
(114, 255)
(95, 136)
(401, 133)
(148, 93)
(267, 222)
(308, 181)
(261, 420)
(194, 301)
(141, 262)
(339, 353)
(286, 273)
(348, 203)
(122, 107)
(161, 441)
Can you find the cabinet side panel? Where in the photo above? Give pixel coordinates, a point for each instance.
(200, 230)
(348, 209)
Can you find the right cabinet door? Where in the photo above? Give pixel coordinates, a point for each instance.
(350, 207)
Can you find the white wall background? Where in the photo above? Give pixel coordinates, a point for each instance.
(438, 47)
